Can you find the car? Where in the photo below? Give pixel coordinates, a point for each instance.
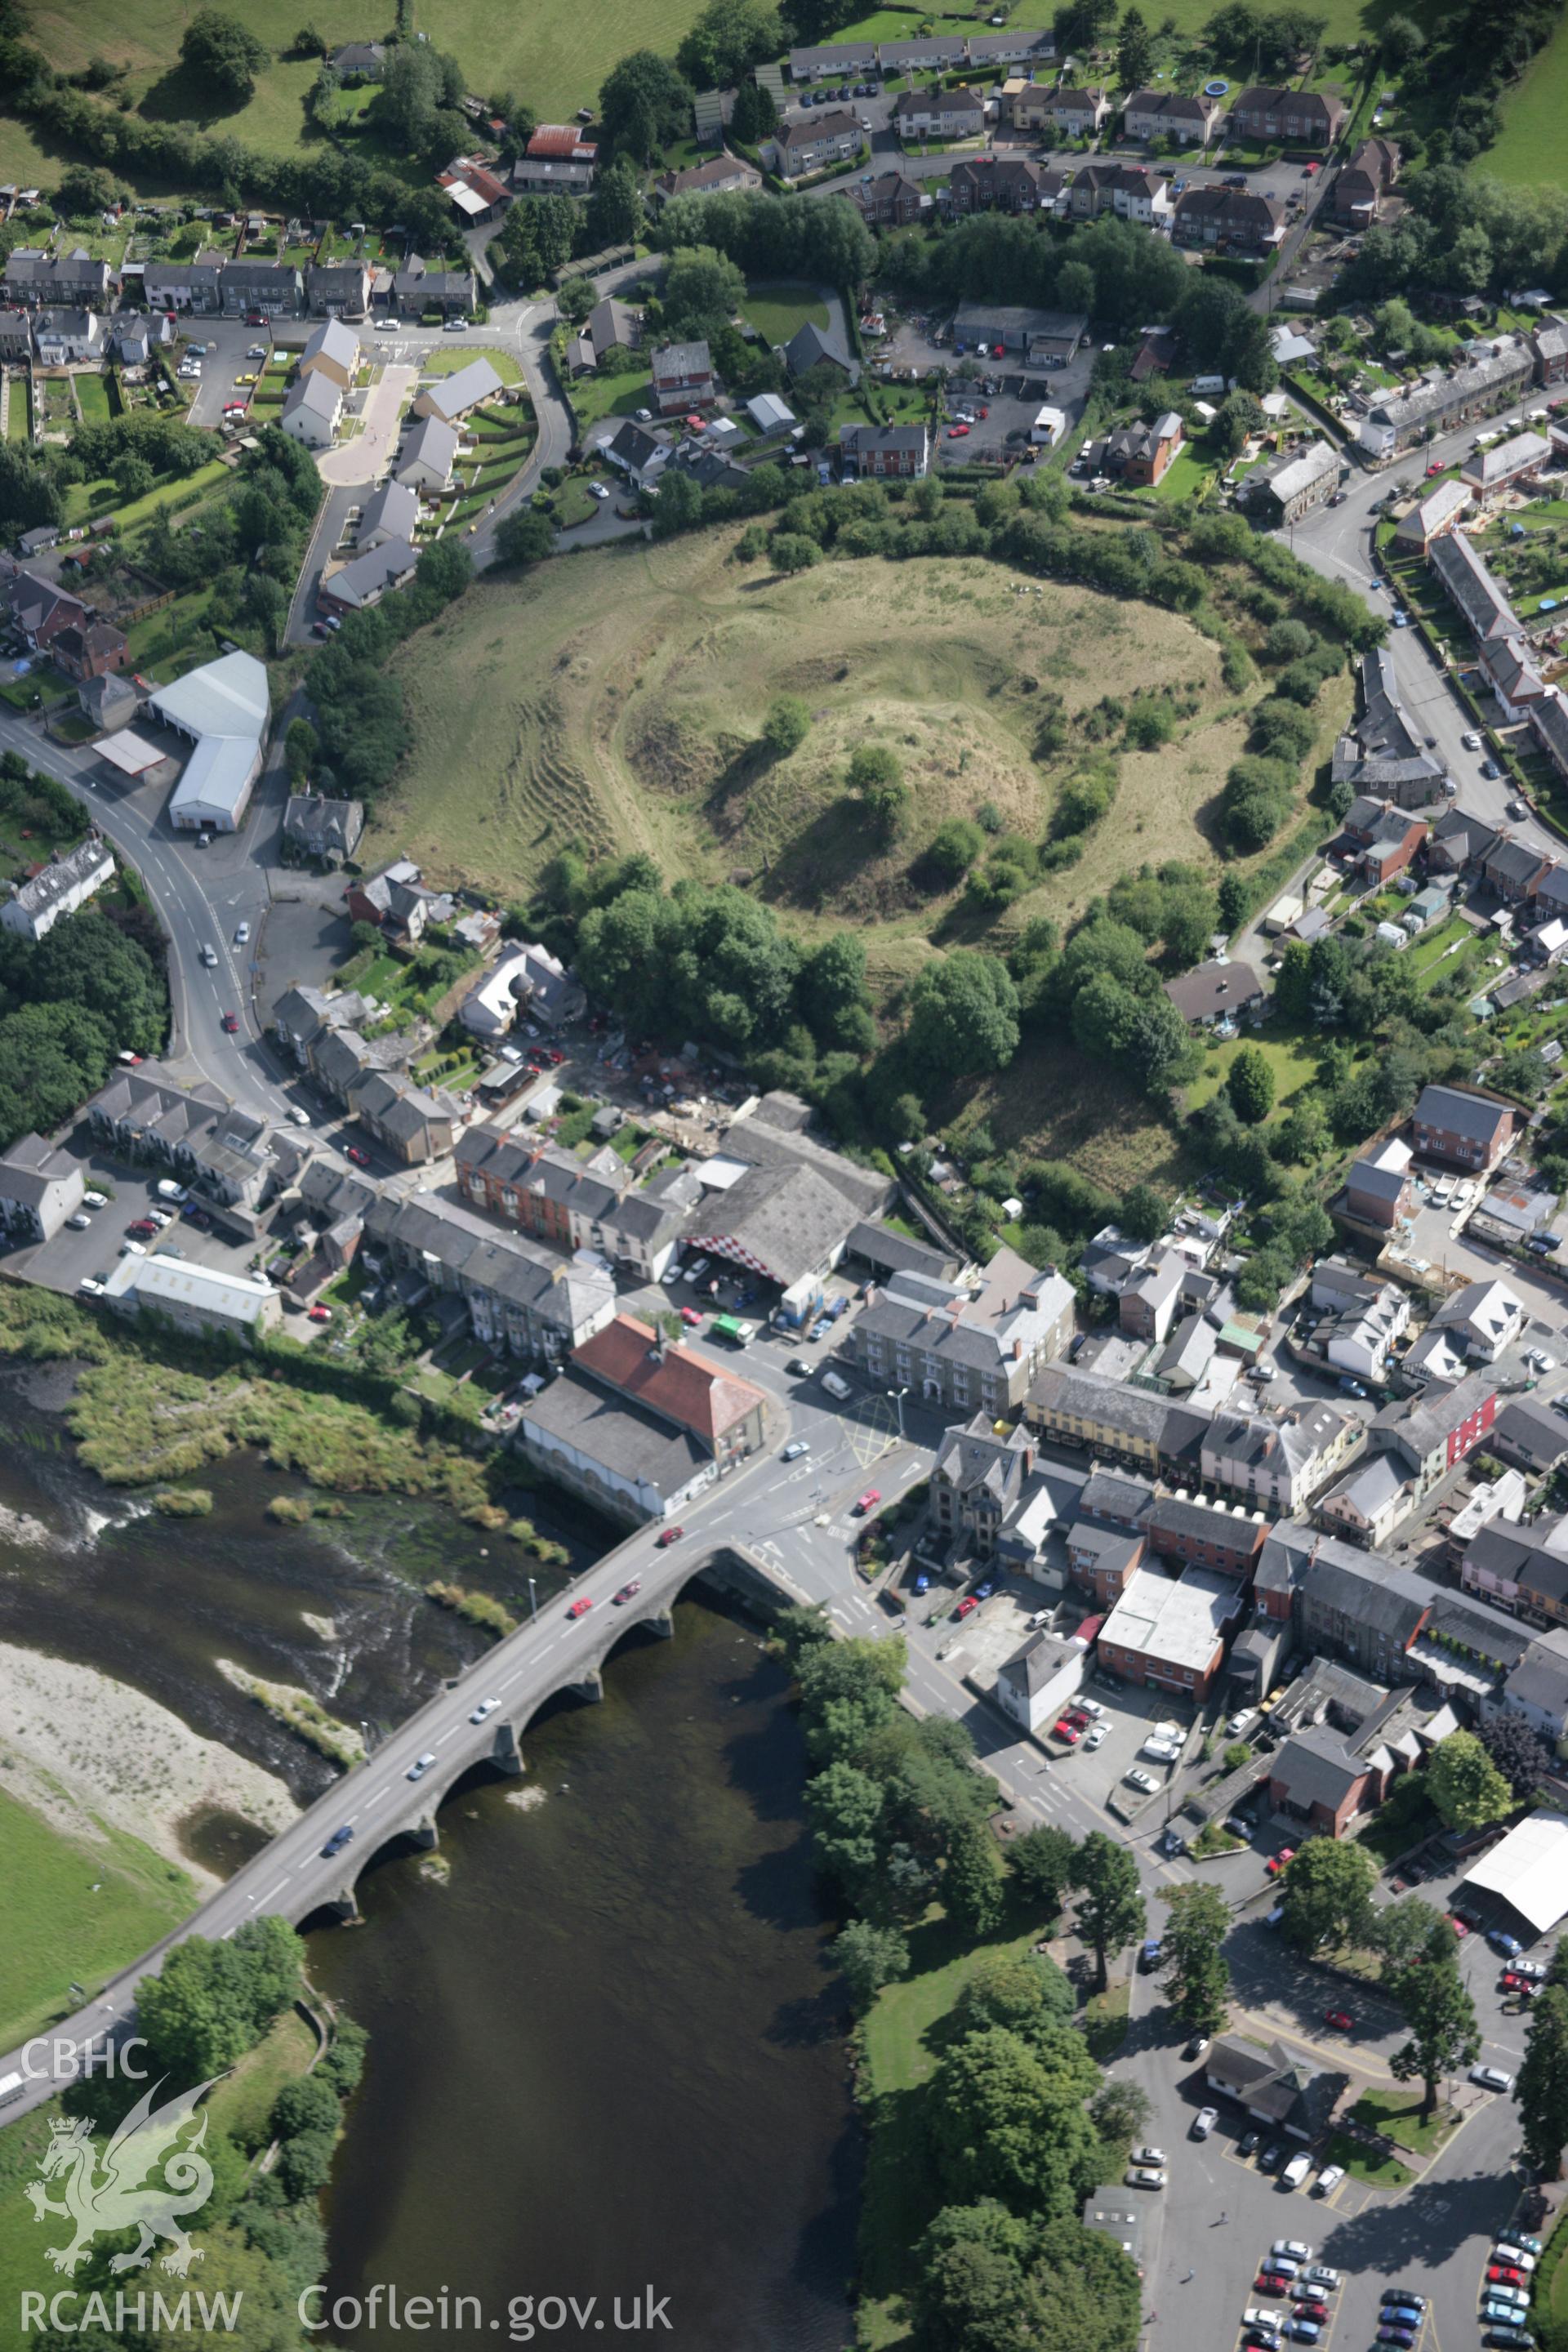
(965, 1607)
(1510, 2339)
(1065, 1730)
(695, 1269)
(454, 327)
(1265, 2334)
(128, 1248)
(1504, 2275)
(1203, 2122)
(958, 431)
(628, 1591)
(1404, 2294)
(1272, 2282)
(1144, 2175)
(1460, 1925)
(485, 1709)
(1160, 1751)
(1292, 2249)
(868, 1502)
(1269, 2159)
(1536, 1971)
(420, 1765)
(1155, 2155)
(1339, 2019)
(1320, 2274)
(1076, 1717)
(1095, 1736)
(1239, 1827)
(1249, 2144)
(921, 1583)
(1142, 1780)
(795, 1449)
(580, 1607)
(1327, 2179)
(1402, 2336)
(1502, 1941)
(80, 1223)
(1254, 2318)
(242, 933)
(1433, 469)
(1278, 1862)
(1522, 2238)
(691, 1318)
(299, 1116)
(357, 1153)
(1399, 2315)
(1308, 2305)
(1490, 770)
(1514, 2297)
(336, 1842)
(257, 352)
(320, 1314)
(230, 1023)
(197, 1217)
(669, 1535)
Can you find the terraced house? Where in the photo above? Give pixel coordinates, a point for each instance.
(965, 1348)
(1170, 114)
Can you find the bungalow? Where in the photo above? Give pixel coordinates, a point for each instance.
(721, 176)
(882, 450)
(360, 61)
(1217, 992)
(1170, 114)
(811, 347)
(813, 142)
(683, 378)
(453, 397)
(356, 586)
(311, 409)
(1299, 117)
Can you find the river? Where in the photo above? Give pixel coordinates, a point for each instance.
(605, 2059)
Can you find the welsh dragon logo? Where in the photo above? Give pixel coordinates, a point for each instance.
(122, 2196)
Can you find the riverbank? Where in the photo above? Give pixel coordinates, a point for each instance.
(84, 1751)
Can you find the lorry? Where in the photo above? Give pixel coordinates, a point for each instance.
(729, 1326)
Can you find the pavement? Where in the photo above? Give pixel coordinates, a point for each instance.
(365, 456)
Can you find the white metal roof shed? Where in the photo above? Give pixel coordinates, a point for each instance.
(1527, 1870)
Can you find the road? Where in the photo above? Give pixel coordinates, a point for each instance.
(1337, 542)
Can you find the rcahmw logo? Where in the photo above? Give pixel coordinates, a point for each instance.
(125, 2194)
(69, 2312)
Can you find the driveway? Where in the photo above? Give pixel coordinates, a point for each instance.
(364, 458)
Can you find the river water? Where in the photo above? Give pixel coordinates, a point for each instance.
(606, 2056)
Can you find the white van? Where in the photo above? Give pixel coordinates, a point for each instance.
(836, 1387)
(169, 1190)
(1296, 2171)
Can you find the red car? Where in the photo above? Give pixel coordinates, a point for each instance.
(627, 1591)
(1272, 2282)
(1339, 2019)
(1277, 1862)
(867, 1501)
(579, 1608)
(144, 1229)
(1504, 2275)
(1457, 1925)
(983, 414)
(1065, 1731)
(355, 1152)
(670, 1535)
(1076, 1717)
(231, 1022)
(958, 431)
(555, 1056)
(320, 1315)
(965, 1605)
(690, 1317)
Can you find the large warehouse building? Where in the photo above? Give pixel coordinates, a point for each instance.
(223, 708)
(1526, 1873)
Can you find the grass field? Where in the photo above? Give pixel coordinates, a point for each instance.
(555, 51)
(451, 359)
(79, 1907)
(780, 310)
(1532, 150)
(242, 2102)
(1396, 2113)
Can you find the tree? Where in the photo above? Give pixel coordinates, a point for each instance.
(786, 725)
(616, 208)
(792, 551)
(211, 2002)
(1111, 1912)
(988, 2281)
(728, 39)
(1135, 51)
(525, 537)
(1007, 2120)
(1120, 2111)
(974, 1883)
(1465, 1785)
(1249, 1083)
(1411, 1930)
(869, 1957)
(1327, 1896)
(1520, 1755)
(644, 104)
(300, 746)
(1191, 1956)
(1044, 1861)
(953, 849)
(964, 1016)
(1542, 2089)
(576, 299)
(1441, 2017)
(222, 52)
(308, 2104)
(1019, 1992)
(876, 779)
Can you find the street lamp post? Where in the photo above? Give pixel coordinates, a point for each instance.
(532, 1598)
(898, 1396)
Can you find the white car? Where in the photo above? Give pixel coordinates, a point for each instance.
(95, 1199)
(1143, 2176)
(1515, 2256)
(1472, 741)
(1147, 2156)
(1204, 2121)
(597, 490)
(299, 1117)
(1492, 2078)
(1259, 2315)
(1330, 2177)
(1541, 1359)
(486, 1707)
(420, 1765)
(1095, 1736)
(242, 932)
(133, 1249)
(80, 1223)
(1294, 2248)
(670, 1276)
(1160, 1751)
(386, 326)
(1442, 1192)
(1296, 2171)
(456, 326)
(1166, 1730)
(1143, 1781)
(1088, 1707)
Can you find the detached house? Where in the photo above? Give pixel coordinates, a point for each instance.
(1364, 181)
(879, 451)
(1236, 220)
(1301, 118)
(814, 144)
(1143, 452)
(939, 114)
(683, 378)
(1468, 1131)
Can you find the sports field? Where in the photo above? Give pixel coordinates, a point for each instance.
(553, 53)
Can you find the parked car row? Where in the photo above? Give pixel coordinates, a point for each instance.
(1505, 2291)
(1289, 2274)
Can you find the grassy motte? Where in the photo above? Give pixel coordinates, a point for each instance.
(77, 1907)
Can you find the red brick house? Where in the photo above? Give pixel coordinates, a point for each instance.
(890, 201)
(1318, 1778)
(683, 378)
(89, 650)
(1206, 1535)
(1471, 1131)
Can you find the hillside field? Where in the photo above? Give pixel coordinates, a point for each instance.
(552, 53)
(1534, 149)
